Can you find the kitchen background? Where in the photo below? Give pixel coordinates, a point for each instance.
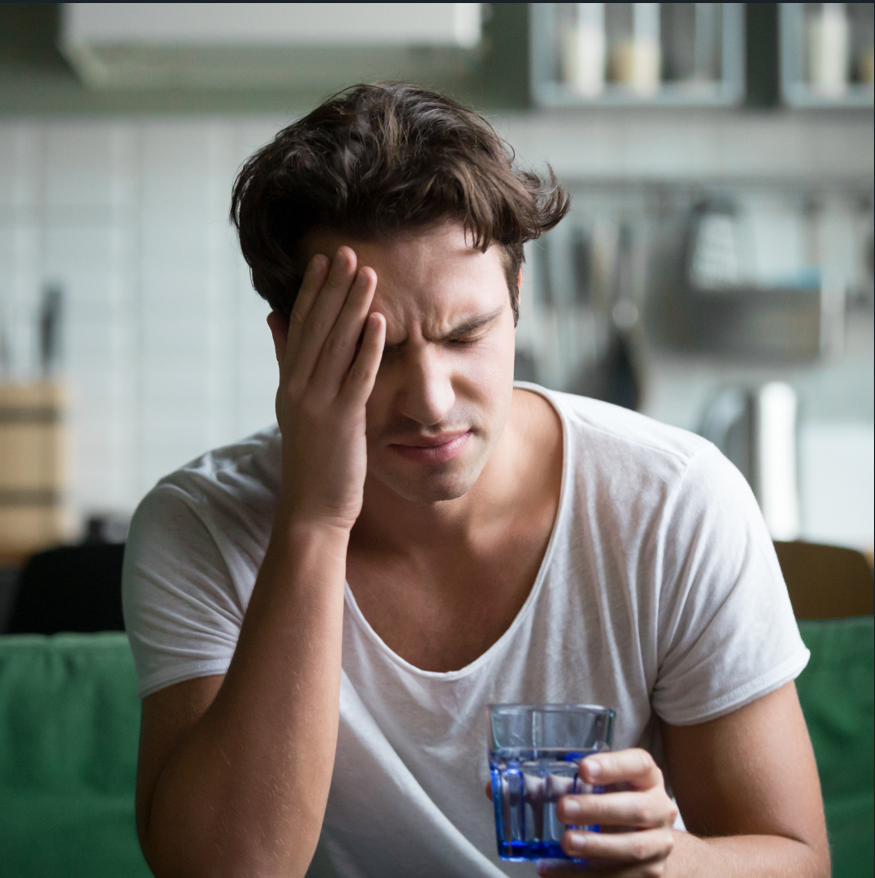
(716, 271)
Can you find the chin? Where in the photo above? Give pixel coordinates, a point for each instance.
(436, 487)
(433, 494)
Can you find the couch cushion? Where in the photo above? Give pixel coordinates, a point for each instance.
(836, 692)
(69, 726)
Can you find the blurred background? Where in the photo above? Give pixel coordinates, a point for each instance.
(716, 271)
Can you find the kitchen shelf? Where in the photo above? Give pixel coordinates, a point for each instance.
(827, 54)
(636, 54)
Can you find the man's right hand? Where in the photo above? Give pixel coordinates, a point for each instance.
(324, 386)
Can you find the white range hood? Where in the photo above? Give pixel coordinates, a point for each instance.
(251, 45)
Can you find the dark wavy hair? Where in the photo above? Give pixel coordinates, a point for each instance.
(379, 160)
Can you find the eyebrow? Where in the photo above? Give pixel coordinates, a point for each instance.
(463, 329)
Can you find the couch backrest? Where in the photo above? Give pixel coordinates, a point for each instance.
(69, 727)
(837, 692)
(69, 713)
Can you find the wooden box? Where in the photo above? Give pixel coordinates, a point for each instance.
(33, 467)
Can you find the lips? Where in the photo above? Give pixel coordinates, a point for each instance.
(432, 441)
(433, 449)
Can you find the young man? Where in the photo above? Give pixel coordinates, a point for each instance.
(320, 613)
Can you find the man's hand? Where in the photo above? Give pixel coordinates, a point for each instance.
(324, 385)
(636, 819)
(636, 823)
(749, 794)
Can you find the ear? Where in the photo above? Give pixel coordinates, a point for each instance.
(279, 329)
(519, 290)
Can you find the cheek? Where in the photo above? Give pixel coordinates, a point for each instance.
(491, 365)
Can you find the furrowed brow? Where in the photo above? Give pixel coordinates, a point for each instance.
(474, 324)
(459, 331)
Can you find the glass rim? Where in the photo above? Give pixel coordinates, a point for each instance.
(550, 707)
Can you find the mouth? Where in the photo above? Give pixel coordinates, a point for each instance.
(433, 449)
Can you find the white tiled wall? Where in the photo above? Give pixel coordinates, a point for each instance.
(165, 349)
(837, 483)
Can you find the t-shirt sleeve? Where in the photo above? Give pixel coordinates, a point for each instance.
(181, 610)
(727, 633)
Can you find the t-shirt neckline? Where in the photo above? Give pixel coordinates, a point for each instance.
(527, 608)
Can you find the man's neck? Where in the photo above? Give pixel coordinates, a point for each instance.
(440, 583)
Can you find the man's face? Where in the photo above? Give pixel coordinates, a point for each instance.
(444, 389)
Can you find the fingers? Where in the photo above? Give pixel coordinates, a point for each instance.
(634, 767)
(363, 373)
(634, 855)
(643, 803)
(641, 810)
(632, 848)
(314, 277)
(339, 348)
(643, 806)
(322, 304)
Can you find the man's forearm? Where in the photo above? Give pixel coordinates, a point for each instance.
(743, 856)
(245, 791)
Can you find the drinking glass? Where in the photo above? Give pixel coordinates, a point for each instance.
(535, 751)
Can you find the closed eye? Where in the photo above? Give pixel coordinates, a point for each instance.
(460, 336)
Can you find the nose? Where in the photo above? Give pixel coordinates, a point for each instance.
(426, 392)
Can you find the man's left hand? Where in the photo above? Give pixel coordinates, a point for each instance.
(636, 821)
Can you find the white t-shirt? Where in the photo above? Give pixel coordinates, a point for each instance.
(659, 595)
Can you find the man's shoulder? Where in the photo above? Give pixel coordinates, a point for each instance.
(243, 474)
(602, 430)
(636, 470)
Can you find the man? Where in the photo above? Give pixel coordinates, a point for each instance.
(321, 612)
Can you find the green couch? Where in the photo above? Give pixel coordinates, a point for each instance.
(69, 724)
(837, 691)
(69, 720)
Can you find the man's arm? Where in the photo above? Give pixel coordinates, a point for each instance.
(747, 788)
(750, 775)
(234, 771)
